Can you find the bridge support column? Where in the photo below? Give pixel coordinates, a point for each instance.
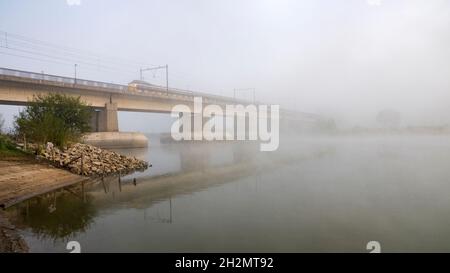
(197, 122)
(105, 120)
(242, 135)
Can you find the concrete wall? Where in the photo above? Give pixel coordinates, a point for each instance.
(116, 140)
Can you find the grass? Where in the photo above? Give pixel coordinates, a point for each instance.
(8, 149)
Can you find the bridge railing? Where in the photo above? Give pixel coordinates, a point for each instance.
(154, 90)
(60, 79)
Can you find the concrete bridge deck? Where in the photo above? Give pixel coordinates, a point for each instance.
(18, 87)
(106, 99)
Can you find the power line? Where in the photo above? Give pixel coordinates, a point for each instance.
(63, 55)
(166, 67)
(32, 58)
(37, 50)
(75, 55)
(67, 59)
(11, 36)
(39, 45)
(42, 60)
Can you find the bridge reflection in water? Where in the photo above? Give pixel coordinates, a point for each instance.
(64, 213)
(195, 167)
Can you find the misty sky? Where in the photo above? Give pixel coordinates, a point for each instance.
(346, 59)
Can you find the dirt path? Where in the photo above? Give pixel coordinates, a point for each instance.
(25, 178)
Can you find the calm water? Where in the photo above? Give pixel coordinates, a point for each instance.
(315, 194)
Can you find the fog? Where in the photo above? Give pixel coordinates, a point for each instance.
(347, 60)
(371, 166)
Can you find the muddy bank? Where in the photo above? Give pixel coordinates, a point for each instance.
(10, 239)
(24, 179)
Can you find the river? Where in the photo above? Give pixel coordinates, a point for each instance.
(316, 194)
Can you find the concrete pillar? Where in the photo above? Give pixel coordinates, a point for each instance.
(95, 113)
(246, 120)
(197, 126)
(111, 119)
(105, 119)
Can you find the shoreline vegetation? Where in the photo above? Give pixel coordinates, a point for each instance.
(28, 170)
(21, 163)
(50, 157)
(10, 150)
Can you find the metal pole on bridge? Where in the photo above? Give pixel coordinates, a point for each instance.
(167, 79)
(166, 67)
(75, 76)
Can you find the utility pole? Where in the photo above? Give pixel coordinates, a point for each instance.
(167, 88)
(166, 67)
(75, 75)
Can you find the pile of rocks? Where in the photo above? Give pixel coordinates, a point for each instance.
(92, 161)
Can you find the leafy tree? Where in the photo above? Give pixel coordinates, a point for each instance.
(56, 118)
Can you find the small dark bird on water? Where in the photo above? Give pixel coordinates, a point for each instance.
(134, 181)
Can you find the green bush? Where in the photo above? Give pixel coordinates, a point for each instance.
(56, 118)
(5, 143)
(8, 148)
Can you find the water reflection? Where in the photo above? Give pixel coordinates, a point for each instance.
(59, 215)
(201, 167)
(150, 198)
(64, 213)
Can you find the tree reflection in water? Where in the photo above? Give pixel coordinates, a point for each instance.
(56, 216)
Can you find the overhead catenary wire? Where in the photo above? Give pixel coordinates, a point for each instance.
(42, 47)
(42, 51)
(72, 60)
(22, 46)
(42, 60)
(81, 52)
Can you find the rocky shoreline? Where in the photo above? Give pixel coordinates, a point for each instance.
(88, 160)
(80, 159)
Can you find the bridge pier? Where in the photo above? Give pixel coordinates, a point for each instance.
(105, 130)
(192, 123)
(105, 119)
